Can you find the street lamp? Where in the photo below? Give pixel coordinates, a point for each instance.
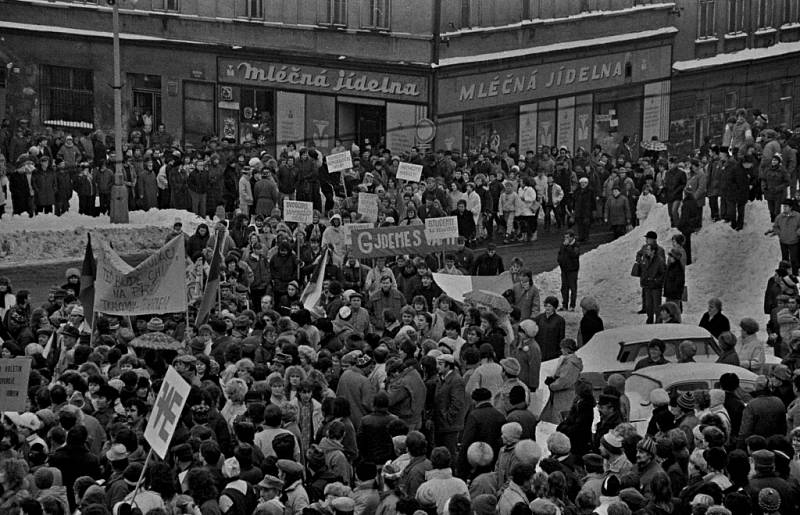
(118, 210)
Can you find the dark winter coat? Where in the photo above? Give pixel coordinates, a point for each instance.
(63, 186)
(266, 197)
(584, 203)
(287, 179)
(578, 426)
(359, 392)
(147, 190)
(407, 394)
(104, 177)
(197, 181)
(774, 182)
(674, 182)
(44, 187)
(466, 224)
(551, 331)
(178, 188)
(674, 280)
(215, 187)
(617, 210)
(590, 324)
(74, 462)
(260, 267)
(449, 403)
(283, 270)
(569, 257)
(488, 265)
(482, 425)
(196, 243)
(736, 183)
(691, 217)
(764, 415)
(373, 437)
(652, 273)
(717, 325)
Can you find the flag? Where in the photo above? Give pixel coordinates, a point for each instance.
(456, 286)
(212, 285)
(313, 292)
(88, 274)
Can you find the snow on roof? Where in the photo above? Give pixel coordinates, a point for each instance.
(542, 21)
(566, 45)
(742, 56)
(52, 29)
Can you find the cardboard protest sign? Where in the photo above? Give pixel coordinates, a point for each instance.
(368, 206)
(298, 211)
(156, 285)
(339, 162)
(14, 376)
(166, 412)
(392, 241)
(409, 172)
(441, 228)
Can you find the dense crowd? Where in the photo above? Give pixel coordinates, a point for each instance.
(386, 395)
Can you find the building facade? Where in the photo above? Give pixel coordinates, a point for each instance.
(456, 74)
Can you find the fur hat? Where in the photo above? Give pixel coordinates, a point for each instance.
(528, 451)
(511, 366)
(529, 327)
(512, 431)
(558, 444)
(480, 454)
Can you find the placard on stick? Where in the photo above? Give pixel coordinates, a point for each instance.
(409, 172)
(298, 211)
(14, 375)
(442, 228)
(166, 412)
(368, 206)
(339, 162)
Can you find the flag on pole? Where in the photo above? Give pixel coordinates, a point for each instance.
(212, 285)
(313, 292)
(88, 274)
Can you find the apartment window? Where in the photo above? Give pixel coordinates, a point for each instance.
(705, 19)
(472, 13)
(67, 94)
(736, 12)
(791, 11)
(168, 5)
(379, 13)
(334, 12)
(766, 13)
(255, 9)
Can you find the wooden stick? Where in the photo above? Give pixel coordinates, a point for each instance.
(141, 478)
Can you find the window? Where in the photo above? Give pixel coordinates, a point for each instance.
(736, 13)
(705, 19)
(791, 11)
(766, 13)
(67, 94)
(334, 12)
(255, 9)
(379, 15)
(472, 13)
(169, 5)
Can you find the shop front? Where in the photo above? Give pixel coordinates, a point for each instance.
(572, 103)
(277, 104)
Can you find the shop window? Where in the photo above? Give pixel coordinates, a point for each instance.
(257, 115)
(198, 111)
(766, 13)
(494, 130)
(378, 15)
(731, 101)
(67, 94)
(736, 12)
(791, 11)
(333, 12)
(705, 19)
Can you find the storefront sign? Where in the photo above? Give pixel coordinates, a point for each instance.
(323, 80)
(528, 83)
(339, 162)
(392, 241)
(409, 172)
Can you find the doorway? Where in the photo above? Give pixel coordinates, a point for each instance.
(361, 122)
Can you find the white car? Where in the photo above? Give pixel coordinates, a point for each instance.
(677, 377)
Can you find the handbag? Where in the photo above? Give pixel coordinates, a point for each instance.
(636, 270)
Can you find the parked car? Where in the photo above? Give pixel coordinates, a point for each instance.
(677, 377)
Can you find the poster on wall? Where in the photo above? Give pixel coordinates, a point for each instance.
(401, 125)
(565, 135)
(290, 119)
(230, 128)
(583, 122)
(320, 120)
(527, 127)
(546, 126)
(655, 111)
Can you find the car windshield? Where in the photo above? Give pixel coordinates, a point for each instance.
(635, 351)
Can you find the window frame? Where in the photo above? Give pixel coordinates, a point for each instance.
(378, 22)
(330, 12)
(248, 11)
(791, 11)
(765, 17)
(707, 30)
(81, 99)
(735, 17)
(170, 6)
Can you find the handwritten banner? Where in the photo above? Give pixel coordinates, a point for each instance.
(392, 241)
(368, 206)
(156, 285)
(14, 376)
(298, 211)
(339, 162)
(409, 172)
(442, 228)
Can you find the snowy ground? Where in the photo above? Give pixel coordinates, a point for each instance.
(731, 265)
(52, 239)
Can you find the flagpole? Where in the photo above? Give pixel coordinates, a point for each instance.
(141, 476)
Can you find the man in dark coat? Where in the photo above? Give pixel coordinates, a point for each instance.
(489, 263)
(764, 415)
(74, 460)
(481, 425)
(552, 329)
(355, 387)
(674, 183)
(44, 186)
(738, 189)
(689, 221)
(585, 202)
(569, 263)
(449, 404)
(406, 391)
(373, 438)
(766, 477)
(651, 280)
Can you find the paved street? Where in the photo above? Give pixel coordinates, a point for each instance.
(539, 256)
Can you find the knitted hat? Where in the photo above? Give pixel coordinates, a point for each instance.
(612, 442)
(769, 500)
(686, 401)
(480, 454)
(511, 366)
(155, 324)
(558, 444)
(529, 327)
(716, 396)
(647, 445)
(231, 468)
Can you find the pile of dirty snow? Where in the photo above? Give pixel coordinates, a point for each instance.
(49, 238)
(731, 265)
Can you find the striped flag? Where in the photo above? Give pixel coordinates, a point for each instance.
(313, 292)
(212, 285)
(88, 274)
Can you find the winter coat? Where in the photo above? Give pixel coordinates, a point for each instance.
(407, 394)
(335, 460)
(741, 135)
(283, 270)
(551, 332)
(378, 302)
(529, 355)
(449, 403)
(359, 391)
(562, 389)
(716, 175)
(197, 181)
(178, 188)
(63, 186)
(414, 474)
(696, 183)
(74, 462)
(488, 265)
(751, 353)
(215, 187)
(774, 182)
(44, 187)
(764, 415)
(373, 437)
(147, 190)
(674, 183)
(527, 301)
(527, 203)
(487, 375)
(439, 487)
(674, 280)
(482, 425)
(735, 183)
(267, 197)
(787, 226)
(510, 497)
(691, 215)
(245, 192)
(652, 273)
(584, 203)
(590, 324)
(260, 268)
(569, 256)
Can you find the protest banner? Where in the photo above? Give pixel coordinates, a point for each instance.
(441, 228)
(349, 228)
(391, 241)
(298, 211)
(368, 206)
(409, 172)
(456, 286)
(339, 162)
(156, 285)
(14, 375)
(166, 412)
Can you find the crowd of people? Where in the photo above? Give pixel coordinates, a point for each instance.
(387, 395)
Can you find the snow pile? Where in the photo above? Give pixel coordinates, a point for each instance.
(731, 265)
(50, 238)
